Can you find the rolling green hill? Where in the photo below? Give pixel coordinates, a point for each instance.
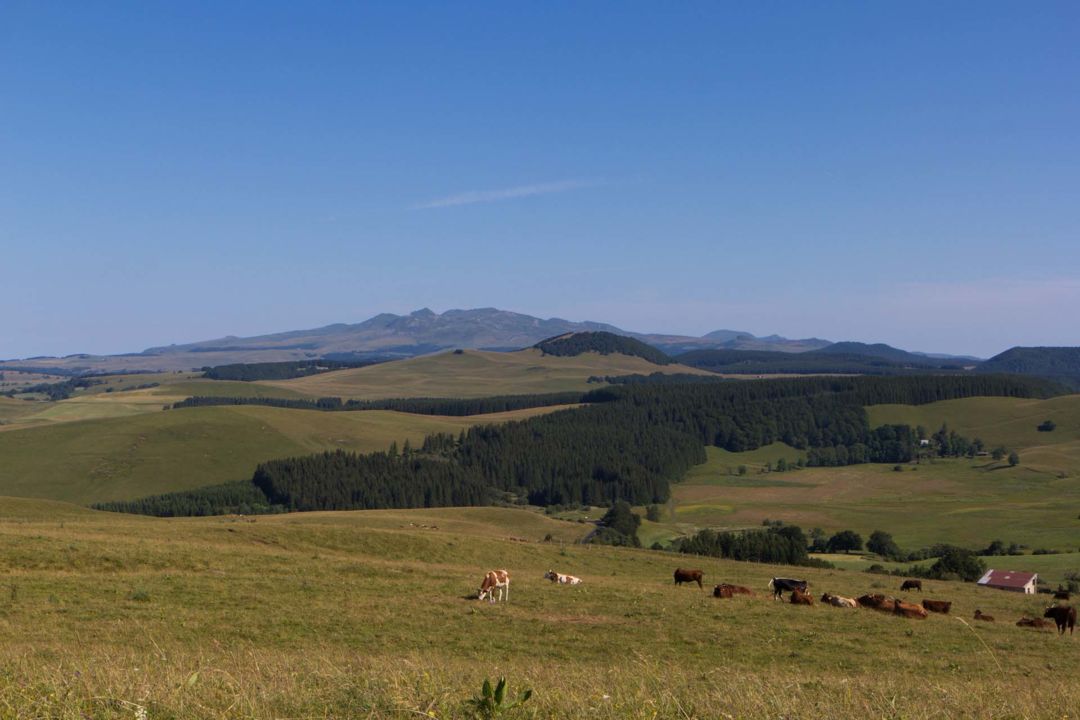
(1011, 422)
(143, 454)
(961, 501)
(473, 373)
(373, 615)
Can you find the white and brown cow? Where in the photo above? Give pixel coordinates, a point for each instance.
(495, 581)
(560, 578)
(838, 601)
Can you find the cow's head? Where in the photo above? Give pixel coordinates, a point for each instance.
(550, 575)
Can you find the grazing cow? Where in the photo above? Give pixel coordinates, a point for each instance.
(688, 576)
(938, 606)
(798, 597)
(1064, 616)
(496, 581)
(781, 585)
(1037, 623)
(979, 615)
(722, 591)
(877, 602)
(912, 585)
(910, 610)
(838, 601)
(560, 578)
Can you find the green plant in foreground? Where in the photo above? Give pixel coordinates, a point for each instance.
(493, 703)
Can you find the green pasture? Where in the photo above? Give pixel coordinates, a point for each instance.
(958, 501)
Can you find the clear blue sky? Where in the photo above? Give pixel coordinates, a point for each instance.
(904, 172)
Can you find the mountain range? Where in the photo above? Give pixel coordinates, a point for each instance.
(390, 336)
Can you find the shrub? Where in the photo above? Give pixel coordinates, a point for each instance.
(619, 526)
(492, 703)
(958, 563)
(845, 541)
(882, 543)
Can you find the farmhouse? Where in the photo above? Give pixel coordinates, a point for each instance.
(1010, 580)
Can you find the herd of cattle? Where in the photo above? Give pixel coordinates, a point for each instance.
(1064, 616)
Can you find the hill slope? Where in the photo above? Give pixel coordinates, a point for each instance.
(762, 362)
(124, 458)
(1057, 363)
(474, 373)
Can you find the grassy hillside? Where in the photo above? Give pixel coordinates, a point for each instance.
(958, 501)
(371, 615)
(1012, 422)
(148, 453)
(123, 396)
(473, 373)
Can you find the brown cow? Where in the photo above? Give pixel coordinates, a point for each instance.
(910, 610)
(912, 585)
(877, 602)
(1037, 623)
(979, 615)
(838, 601)
(798, 597)
(1064, 616)
(726, 590)
(938, 606)
(686, 576)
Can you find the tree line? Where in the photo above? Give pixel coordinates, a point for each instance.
(286, 370)
(418, 406)
(601, 342)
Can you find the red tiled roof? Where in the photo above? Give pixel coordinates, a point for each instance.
(1007, 578)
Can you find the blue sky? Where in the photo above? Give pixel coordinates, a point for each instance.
(898, 172)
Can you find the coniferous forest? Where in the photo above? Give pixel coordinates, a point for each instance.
(629, 443)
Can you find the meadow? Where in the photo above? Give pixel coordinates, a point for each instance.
(371, 614)
(960, 501)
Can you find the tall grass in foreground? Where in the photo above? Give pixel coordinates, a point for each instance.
(249, 683)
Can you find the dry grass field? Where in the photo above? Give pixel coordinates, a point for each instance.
(370, 615)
